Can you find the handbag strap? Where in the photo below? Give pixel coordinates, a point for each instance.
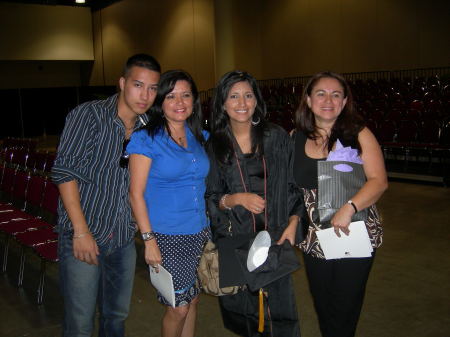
(245, 190)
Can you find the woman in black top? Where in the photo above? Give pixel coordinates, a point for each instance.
(326, 114)
(250, 187)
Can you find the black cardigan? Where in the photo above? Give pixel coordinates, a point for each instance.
(284, 198)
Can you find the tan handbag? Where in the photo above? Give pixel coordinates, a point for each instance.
(208, 272)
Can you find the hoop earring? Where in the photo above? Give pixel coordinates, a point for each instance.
(254, 123)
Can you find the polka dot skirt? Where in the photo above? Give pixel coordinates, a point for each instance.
(181, 256)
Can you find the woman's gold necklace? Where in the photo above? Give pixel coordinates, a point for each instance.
(181, 141)
(177, 139)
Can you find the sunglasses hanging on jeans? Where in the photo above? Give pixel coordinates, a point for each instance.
(123, 161)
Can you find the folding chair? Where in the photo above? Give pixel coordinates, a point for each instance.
(35, 231)
(31, 239)
(48, 253)
(17, 219)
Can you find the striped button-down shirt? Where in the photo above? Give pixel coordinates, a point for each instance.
(89, 152)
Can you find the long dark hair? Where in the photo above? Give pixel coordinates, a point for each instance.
(346, 127)
(157, 121)
(221, 133)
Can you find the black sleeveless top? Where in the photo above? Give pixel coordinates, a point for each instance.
(305, 174)
(255, 184)
(305, 168)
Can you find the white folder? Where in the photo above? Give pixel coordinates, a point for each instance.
(163, 282)
(356, 244)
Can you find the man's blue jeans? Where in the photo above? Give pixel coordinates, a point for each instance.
(82, 285)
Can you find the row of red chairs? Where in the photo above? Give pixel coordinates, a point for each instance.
(28, 213)
(418, 99)
(402, 90)
(409, 141)
(40, 161)
(25, 143)
(434, 110)
(375, 91)
(427, 133)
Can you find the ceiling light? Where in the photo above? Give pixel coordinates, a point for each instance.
(80, 1)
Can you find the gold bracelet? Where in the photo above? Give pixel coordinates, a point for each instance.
(78, 236)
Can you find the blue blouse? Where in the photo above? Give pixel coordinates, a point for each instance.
(175, 189)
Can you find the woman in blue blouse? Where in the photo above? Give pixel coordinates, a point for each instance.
(168, 167)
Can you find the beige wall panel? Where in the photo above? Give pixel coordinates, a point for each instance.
(36, 32)
(223, 38)
(246, 20)
(116, 48)
(399, 34)
(176, 40)
(325, 35)
(285, 38)
(94, 75)
(120, 31)
(301, 37)
(204, 66)
(434, 41)
(299, 44)
(360, 50)
(269, 38)
(178, 33)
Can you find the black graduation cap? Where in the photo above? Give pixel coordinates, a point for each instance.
(230, 273)
(281, 260)
(233, 252)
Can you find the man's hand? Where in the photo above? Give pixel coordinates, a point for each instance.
(85, 249)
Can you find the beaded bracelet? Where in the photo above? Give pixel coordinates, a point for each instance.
(78, 236)
(222, 202)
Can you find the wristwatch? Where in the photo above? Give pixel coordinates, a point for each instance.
(147, 236)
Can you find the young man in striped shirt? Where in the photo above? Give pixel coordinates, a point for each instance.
(96, 231)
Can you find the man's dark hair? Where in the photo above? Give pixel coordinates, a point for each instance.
(141, 60)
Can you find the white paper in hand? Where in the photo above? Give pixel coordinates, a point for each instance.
(356, 244)
(162, 281)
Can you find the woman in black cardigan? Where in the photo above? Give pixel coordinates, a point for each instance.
(250, 188)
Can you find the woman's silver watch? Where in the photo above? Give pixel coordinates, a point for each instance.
(147, 236)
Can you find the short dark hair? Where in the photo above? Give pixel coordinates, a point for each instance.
(221, 135)
(141, 60)
(347, 125)
(167, 83)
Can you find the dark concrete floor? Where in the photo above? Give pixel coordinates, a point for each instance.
(408, 294)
